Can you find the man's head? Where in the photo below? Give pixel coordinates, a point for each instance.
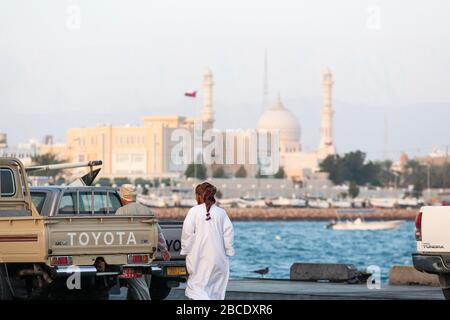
(128, 193)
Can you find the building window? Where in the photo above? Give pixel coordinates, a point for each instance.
(137, 158)
(122, 158)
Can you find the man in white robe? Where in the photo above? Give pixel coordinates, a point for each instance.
(207, 245)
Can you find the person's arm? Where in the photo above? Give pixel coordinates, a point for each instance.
(228, 236)
(162, 244)
(188, 234)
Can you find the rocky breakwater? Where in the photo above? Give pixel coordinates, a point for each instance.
(296, 214)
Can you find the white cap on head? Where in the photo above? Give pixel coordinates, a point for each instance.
(128, 192)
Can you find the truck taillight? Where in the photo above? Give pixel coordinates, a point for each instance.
(130, 273)
(138, 259)
(419, 226)
(61, 261)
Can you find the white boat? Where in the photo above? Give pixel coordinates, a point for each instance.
(251, 203)
(187, 203)
(288, 202)
(281, 202)
(299, 203)
(227, 202)
(152, 202)
(409, 203)
(359, 203)
(383, 202)
(341, 204)
(318, 203)
(359, 224)
(170, 202)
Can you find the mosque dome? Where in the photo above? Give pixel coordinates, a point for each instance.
(277, 117)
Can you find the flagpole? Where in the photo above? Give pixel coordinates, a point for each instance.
(193, 94)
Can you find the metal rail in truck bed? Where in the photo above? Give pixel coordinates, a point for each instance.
(86, 180)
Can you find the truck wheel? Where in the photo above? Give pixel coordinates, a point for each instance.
(446, 293)
(5, 291)
(444, 281)
(158, 288)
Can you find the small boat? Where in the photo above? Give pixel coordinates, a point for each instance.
(360, 224)
(298, 203)
(341, 204)
(187, 203)
(410, 203)
(288, 202)
(152, 202)
(383, 202)
(318, 203)
(359, 203)
(251, 203)
(280, 202)
(227, 202)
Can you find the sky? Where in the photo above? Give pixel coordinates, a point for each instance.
(78, 63)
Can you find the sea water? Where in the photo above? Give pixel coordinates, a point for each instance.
(279, 244)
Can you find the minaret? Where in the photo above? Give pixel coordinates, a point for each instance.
(266, 83)
(208, 112)
(326, 146)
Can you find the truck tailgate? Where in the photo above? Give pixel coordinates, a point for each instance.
(435, 229)
(110, 237)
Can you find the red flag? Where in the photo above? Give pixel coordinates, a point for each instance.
(192, 94)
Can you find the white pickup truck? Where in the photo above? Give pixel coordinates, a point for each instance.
(433, 244)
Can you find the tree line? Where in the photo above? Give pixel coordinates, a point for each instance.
(353, 167)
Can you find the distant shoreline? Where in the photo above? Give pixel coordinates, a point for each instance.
(295, 214)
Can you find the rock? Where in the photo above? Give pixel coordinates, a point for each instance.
(407, 275)
(332, 272)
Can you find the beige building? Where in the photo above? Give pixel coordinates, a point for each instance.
(134, 151)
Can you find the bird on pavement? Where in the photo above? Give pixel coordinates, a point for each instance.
(262, 272)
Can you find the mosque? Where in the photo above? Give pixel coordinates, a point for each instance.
(297, 163)
(145, 150)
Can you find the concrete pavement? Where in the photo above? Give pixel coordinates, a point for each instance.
(260, 289)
